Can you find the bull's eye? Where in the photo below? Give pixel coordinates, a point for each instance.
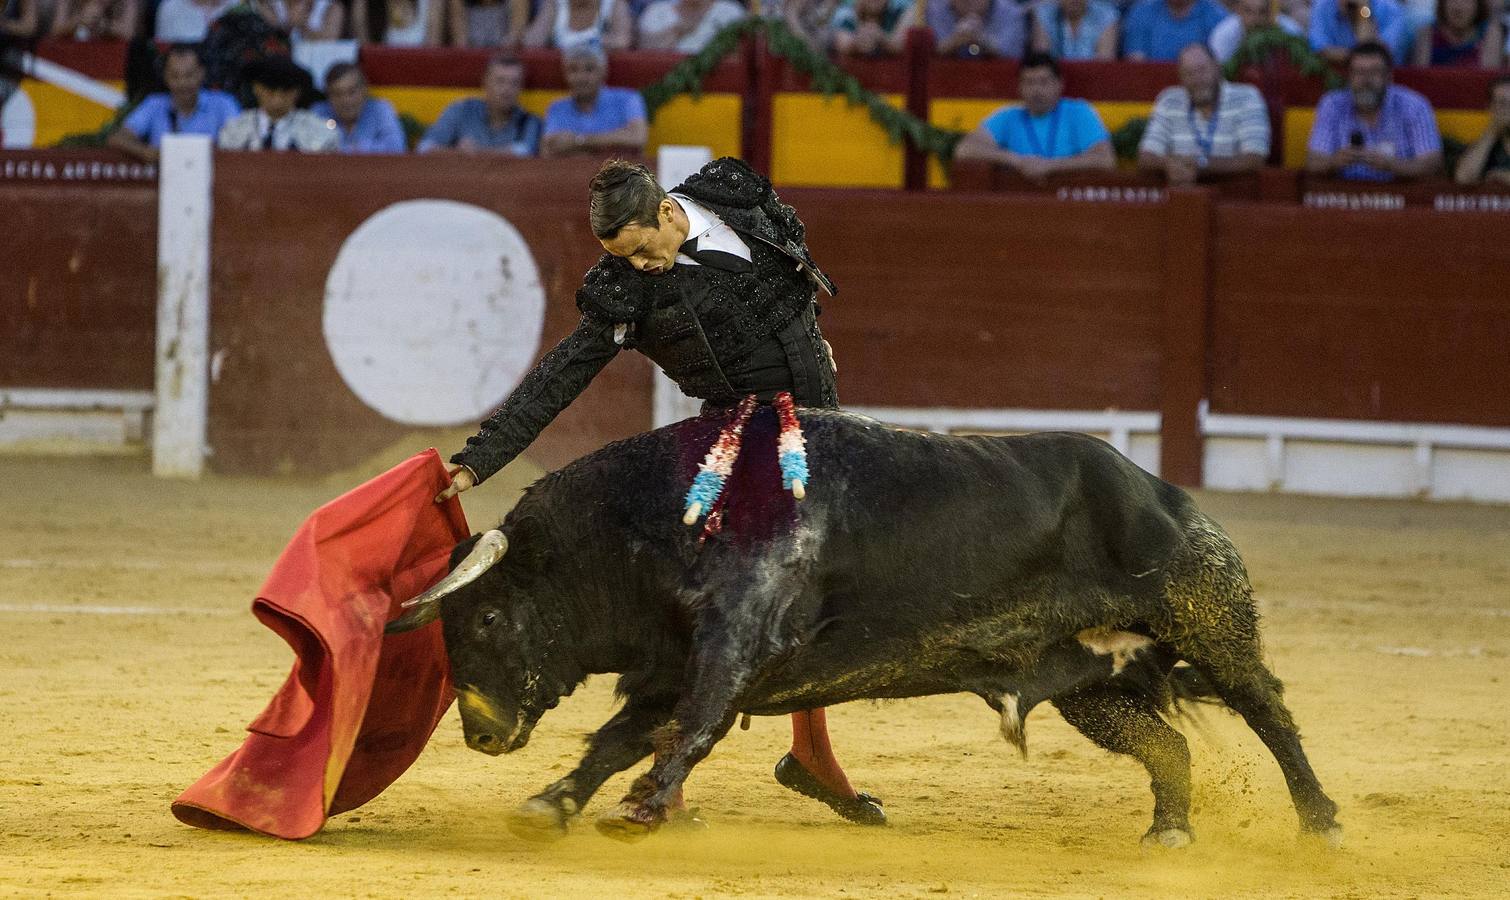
(488, 618)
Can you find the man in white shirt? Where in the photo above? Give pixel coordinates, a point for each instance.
(277, 123)
(1205, 125)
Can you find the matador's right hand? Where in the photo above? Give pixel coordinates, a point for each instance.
(461, 480)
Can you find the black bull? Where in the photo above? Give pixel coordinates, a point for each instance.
(1021, 569)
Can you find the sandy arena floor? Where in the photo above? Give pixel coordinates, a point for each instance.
(130, 664)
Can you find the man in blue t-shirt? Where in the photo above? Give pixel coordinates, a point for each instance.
(1160, 29)
(492, 123)
(187, 108)
(1044, 135)
(593, 118)
(367, 124)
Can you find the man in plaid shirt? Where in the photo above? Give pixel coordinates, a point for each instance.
(1374, 130)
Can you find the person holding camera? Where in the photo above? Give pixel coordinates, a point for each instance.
(1373, 129)
(1337, 26)
(1488, 158)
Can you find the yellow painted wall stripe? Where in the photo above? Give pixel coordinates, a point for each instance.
(827, 142)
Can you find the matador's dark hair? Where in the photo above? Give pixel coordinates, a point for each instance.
(623, 193)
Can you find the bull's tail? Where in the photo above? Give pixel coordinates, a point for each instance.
(1188, 685)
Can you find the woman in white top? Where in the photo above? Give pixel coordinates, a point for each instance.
(568, 24)
(685, 26)
(408, 23)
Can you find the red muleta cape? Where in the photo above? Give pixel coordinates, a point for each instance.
(357, 708)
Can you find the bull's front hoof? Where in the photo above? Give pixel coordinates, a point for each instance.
(629, 822)
(540, 820)
(1167, 838)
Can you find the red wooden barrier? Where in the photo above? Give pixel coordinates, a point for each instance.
(78, 299)
(1387, 316)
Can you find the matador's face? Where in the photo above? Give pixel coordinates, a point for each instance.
(651, 249)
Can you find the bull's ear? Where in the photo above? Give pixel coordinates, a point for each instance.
(460, 551)
(418, 617)
(529, 544)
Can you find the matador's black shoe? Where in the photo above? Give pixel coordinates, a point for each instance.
(862, 809)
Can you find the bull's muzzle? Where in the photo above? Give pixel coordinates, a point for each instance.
(489, 729)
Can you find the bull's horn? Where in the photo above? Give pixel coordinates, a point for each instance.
(488, 550)
(425, 608)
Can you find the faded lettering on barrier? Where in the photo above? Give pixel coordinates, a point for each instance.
(1110, 194)
(1471, 203)
(1348, 200)
(75, 170)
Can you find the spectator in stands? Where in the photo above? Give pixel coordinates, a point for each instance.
(488, 23)
(1076, 29)
(1337, 26)
(977, 28)
(1206, 124)
(94, 20)
(1488, 158)
(186, 108)
(187, 21)
(20, 20)
(1160, 29)
(365, 123)
(1046, 134)
(492, 123)
(399, 23)
(593, 118)
(1298, 11)
(304, 20)
(1247, 17)
(685, 25)
(564, 24)
(1374, 130)
(278, 123)
(811, 20)
(1465, 34)
(872, 27)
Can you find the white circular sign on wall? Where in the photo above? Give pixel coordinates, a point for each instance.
(433, 311)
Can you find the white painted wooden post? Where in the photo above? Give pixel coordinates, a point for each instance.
(183, 306)
(676, 162)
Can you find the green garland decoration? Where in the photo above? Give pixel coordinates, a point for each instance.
(94, 139)
(1260, 44)
(1127, 137)
(826, 76)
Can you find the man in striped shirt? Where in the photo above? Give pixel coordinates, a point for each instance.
(1374, 130)
(1205, 125)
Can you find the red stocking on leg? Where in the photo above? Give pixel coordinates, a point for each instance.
(810, 747)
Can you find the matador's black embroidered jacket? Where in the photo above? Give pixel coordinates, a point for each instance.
(719, 335)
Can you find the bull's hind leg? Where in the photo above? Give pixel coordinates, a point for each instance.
(1124, 721)
(1253, 692)
(623, 741)
(1214, 627)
